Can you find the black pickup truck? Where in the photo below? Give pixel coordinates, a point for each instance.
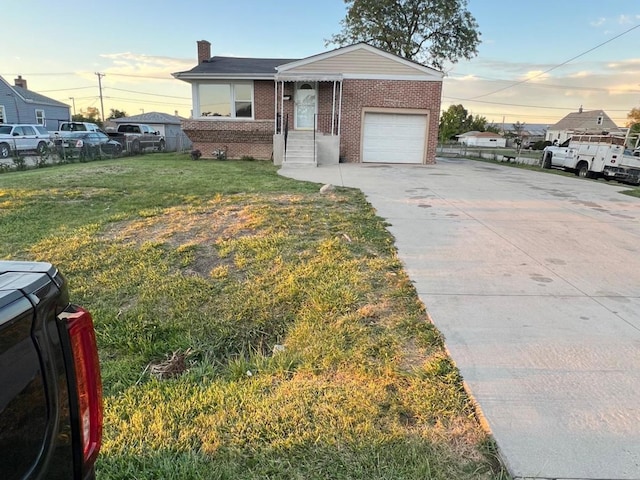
(50, 388)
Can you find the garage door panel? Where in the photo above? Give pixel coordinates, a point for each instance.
(394, 138)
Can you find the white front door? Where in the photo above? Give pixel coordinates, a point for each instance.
(306, 106)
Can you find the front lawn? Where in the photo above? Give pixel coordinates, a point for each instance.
(248, 326)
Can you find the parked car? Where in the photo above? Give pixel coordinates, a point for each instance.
(138, 137)
(50, 389)
(21, 138)
(87, 145)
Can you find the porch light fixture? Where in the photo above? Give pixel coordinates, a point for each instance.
(286, 97)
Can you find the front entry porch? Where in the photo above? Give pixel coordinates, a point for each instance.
(307, 119)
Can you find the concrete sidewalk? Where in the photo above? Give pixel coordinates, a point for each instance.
(534, 280)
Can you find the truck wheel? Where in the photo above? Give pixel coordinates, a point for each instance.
(161, 146)
(135, 147)
(546, 160)
(42, 148)
(583, 170)
(5, 151)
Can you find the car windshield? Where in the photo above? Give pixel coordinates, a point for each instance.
(6, 129)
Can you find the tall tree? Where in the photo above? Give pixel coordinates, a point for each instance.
(115, 113)
(452, 122)
(431, 32)
(518, 133)
(633, 120)
(92, 115)
(456, 120)
(476, 123)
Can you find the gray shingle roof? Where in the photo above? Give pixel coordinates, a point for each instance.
(585, 121)
(239, 66)
(150, 117)
(38, 98)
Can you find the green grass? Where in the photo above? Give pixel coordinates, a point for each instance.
(248, 326)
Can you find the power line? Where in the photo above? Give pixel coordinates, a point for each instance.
(147, 102)
(145, 93)
(36, 74)
(65, 89)
(140, 76)
(556, 66)
(526, 106)
(545, 85)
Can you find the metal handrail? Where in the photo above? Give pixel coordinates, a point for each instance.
(286, 134)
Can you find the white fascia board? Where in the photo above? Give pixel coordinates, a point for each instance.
(309, 77)
(415, 78)
(207, 76)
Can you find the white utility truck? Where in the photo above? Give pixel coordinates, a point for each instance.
(594, 156)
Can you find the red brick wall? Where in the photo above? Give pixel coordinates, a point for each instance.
(263, 99)
(392, 94)
(252, 138)
(255, 137)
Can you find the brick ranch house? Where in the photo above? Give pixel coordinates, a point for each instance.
(354, 104)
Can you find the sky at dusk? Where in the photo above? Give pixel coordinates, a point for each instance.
(538, 60)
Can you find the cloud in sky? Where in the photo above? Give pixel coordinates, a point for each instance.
(613, 87)
(128, 63)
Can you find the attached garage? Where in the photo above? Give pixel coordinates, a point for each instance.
(394, 137)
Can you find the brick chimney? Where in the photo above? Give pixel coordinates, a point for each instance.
(204, 51)
(20, 82)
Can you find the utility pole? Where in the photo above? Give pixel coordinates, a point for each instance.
(100, 75)
(74, 104)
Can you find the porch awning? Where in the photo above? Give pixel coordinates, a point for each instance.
(309, 77)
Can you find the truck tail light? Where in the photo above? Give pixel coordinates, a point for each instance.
(88, 383)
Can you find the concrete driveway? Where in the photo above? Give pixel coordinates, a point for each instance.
(534, 280)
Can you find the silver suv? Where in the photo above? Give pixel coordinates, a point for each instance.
(22, 138)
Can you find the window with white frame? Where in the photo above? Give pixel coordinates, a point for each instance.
(40, 120)
(3, 117)
(230, 100)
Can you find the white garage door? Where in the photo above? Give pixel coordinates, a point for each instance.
(394, 138)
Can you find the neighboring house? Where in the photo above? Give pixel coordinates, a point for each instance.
(18, 104)
(530, 132)
(354, 104)
(482, 139)
(168, 125)
(593, 122)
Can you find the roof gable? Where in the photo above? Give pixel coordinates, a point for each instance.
(361, 61)
(35, 97)
(29, 96)
(585, 121)
(354, 61)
